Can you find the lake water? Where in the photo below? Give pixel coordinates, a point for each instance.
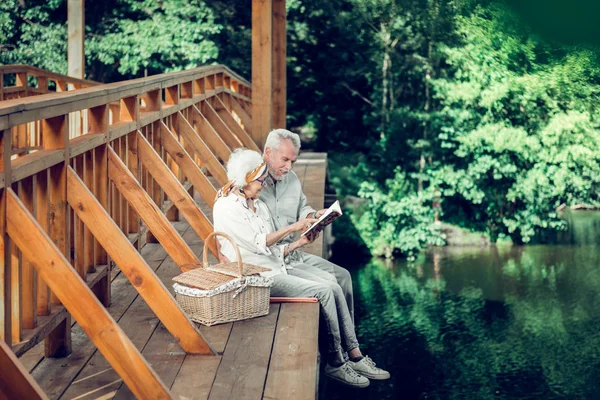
(519, 322)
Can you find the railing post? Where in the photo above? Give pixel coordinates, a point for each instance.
(5, 257)
(55, 136)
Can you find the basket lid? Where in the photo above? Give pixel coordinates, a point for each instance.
(201, 278)
(232, 269)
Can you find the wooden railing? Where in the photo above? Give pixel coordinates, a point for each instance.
(87, 177)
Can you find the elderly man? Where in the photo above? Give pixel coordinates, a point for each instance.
(287, 203)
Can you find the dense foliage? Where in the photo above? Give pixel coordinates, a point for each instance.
(456, 104)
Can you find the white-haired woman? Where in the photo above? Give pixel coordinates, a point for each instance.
(239, 213)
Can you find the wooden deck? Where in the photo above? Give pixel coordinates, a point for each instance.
(272, 357)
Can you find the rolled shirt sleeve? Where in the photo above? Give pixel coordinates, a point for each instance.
(303, 208)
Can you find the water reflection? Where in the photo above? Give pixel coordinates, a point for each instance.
(479, 323)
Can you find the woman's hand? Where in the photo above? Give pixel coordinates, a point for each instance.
(303, 224)
(303, 241)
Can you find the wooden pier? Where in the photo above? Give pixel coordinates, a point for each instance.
(106, 195)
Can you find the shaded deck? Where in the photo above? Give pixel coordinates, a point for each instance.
(272, 357)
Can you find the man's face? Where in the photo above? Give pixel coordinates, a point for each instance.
(281, 160)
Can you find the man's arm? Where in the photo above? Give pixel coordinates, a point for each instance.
(304, 209)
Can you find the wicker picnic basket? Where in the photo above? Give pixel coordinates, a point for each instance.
(224, 292)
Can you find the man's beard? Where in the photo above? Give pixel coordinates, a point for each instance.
(274, 174)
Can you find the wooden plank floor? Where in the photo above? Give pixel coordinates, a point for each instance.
(272, 357)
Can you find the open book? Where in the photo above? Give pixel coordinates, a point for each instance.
(330, 215)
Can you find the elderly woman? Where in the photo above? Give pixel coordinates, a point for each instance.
(239, 213)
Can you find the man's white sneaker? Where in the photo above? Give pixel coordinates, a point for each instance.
(346, 375)
(366, 367)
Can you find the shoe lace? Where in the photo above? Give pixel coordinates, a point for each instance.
(349, 371)
(369, 362)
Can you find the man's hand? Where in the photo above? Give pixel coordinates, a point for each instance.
(319, 214)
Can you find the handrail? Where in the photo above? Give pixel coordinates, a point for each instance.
(20, 111)
(34, 71)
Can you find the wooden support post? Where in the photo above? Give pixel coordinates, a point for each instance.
(28, 276)
(15, 382)
(88, 238)
(195, 142)
(187, 165)
(262, 70)
(133, 166)
(150, 288)
(5, 257)
(279, 64)
(233, 126)
(73, 292)
(176, 192)
(42, 216)
(55, 136)
(220, 127)
(76, 28)
(168, 237)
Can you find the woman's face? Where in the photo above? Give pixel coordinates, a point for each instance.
(253, 189)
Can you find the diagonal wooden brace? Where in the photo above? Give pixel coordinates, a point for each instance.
(198, 145)
(149, 212)
(176, 192)
(15, 382)
(143, 278)
(210, 136)
(75, 295)
(233, 126)
(187, 165)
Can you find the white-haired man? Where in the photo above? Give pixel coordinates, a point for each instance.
(287, 203)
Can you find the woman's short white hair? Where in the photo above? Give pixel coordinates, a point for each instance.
(276, 136)
(240, 163)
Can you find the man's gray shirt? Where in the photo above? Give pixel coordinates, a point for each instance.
(286, 202)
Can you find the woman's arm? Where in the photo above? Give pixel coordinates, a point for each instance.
(301, 225)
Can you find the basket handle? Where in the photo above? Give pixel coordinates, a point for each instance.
(235, 247)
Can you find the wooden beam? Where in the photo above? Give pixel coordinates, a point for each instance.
(156, 221)
(279, 64)
(262, 71)
(220, 127)
(187, 165)
(73, 292)
(15, 382)
(232, 124)
(76, 28)
(241, 112)
(176, 192)
(207, 133)
(133, 266)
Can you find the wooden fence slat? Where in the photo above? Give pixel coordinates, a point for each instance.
(168, 237)
(176, 192)
(81, 303)
(15, 382)
(134, 266)
(187, 165)
(196, 143)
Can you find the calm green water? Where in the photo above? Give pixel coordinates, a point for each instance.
(485, 323)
